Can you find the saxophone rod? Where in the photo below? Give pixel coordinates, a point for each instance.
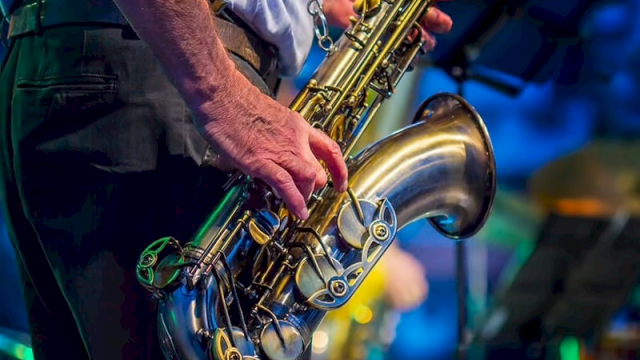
(370, 58)
(413, 13)
(375, 106)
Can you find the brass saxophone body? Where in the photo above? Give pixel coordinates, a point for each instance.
(254, 282)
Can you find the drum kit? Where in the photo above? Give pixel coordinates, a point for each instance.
(598, 183)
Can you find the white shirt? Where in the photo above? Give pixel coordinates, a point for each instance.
(284, 23)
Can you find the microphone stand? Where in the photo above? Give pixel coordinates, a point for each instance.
(461, 277)
(459, 74)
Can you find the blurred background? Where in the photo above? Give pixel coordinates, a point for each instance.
(553, 275)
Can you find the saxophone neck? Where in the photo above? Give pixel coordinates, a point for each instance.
(362, 70)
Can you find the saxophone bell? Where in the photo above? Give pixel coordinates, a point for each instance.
(467, 167)
(254, 283)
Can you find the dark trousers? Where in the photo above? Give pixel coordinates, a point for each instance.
(99, 157)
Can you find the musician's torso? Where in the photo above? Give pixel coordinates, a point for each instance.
(284, 23)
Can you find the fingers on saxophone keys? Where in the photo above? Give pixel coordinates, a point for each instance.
(326, 149)
(285, 186)
(436, 21)
(306, 176)
(429, 41)
(321, 177)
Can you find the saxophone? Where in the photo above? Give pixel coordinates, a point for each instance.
(254, 282)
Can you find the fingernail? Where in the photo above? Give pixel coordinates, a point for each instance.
(444, 28)
(304, 214)
(432, 14)
(345, 185)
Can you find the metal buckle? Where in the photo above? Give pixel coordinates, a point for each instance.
(218, 5)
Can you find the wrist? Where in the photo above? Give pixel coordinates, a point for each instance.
(214, 96)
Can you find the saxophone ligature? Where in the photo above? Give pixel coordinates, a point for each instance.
(254, 282)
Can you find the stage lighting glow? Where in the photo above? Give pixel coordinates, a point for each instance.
(608, 19)
(320, 342)
(362, 314)
(570, 349)
(13, 349)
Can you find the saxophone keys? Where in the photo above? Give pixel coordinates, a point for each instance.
(366, 7)
(222, 348)
(320, 280)
(353, 222)
(263, 226)
(285, 344)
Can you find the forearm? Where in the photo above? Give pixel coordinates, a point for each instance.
(182, 35)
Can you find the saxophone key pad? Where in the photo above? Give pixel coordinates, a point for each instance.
(321, 283)
(366, 221)
(288, 347)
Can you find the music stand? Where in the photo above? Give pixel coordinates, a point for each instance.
(486, 45)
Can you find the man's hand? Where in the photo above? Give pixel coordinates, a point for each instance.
(338, 12)
(248, 129)
(268, 141)
(436, 22)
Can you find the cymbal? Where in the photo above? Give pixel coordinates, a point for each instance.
(600, 180)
